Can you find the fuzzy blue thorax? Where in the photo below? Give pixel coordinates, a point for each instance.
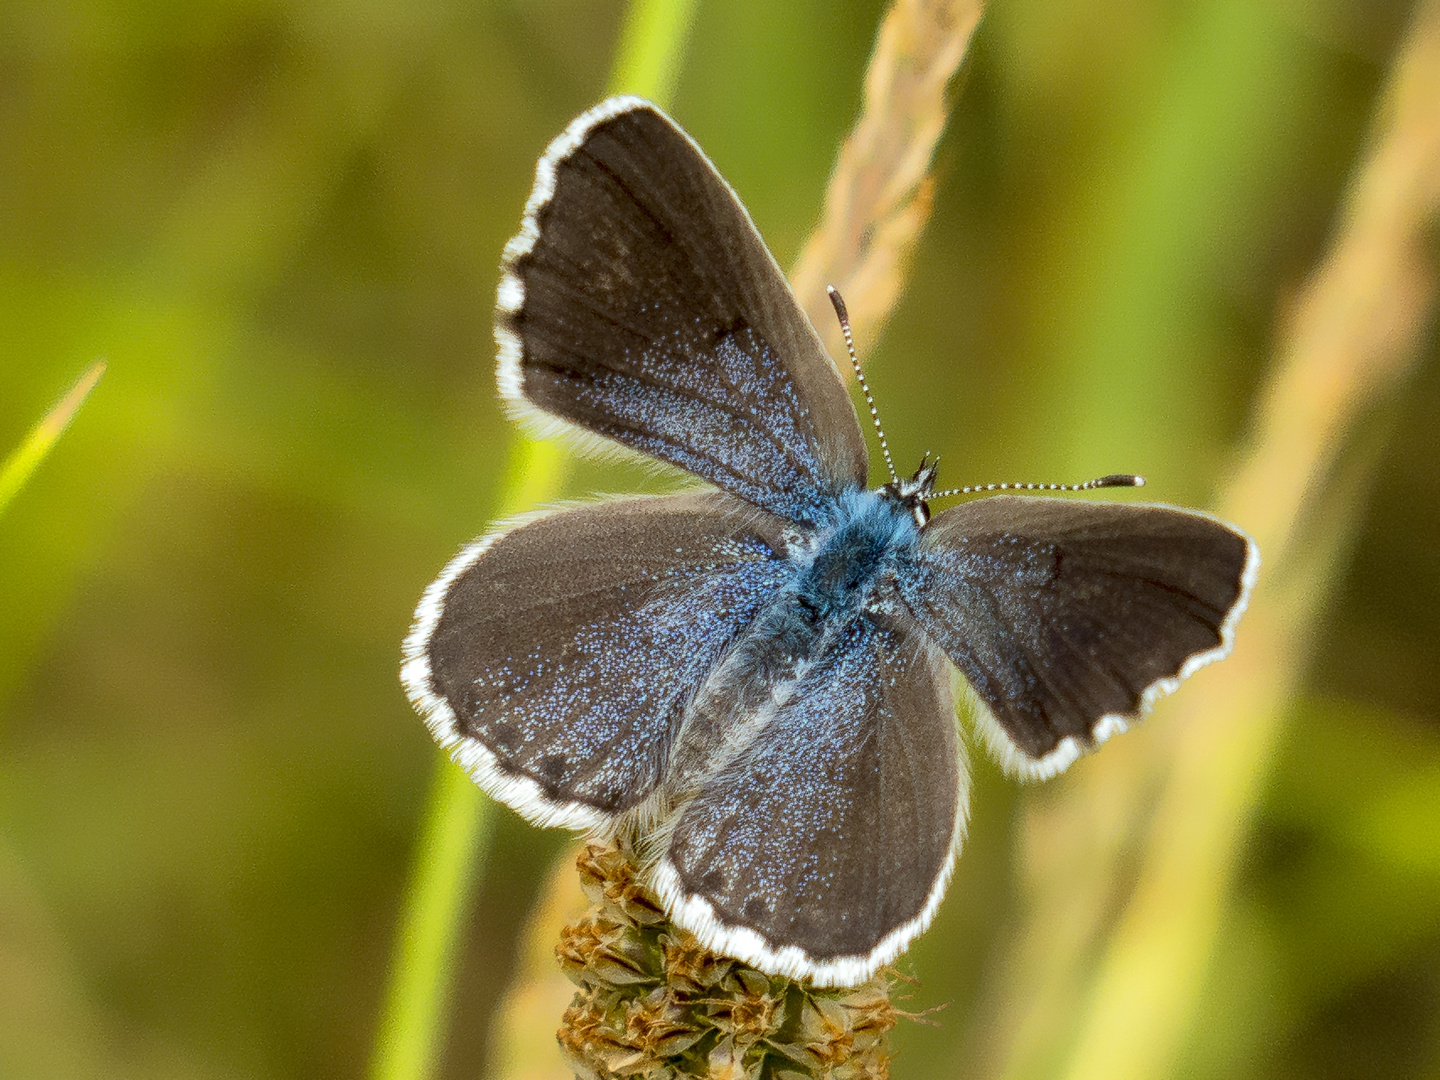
(838, 575)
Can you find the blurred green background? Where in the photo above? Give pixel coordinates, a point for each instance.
(280, 222)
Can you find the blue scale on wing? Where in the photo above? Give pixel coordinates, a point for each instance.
(703, 415)
(650, 312)
(641, 663)
(570, 648)
(1060, 613)
(833, 828)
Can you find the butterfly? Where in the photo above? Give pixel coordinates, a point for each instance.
(755, 678)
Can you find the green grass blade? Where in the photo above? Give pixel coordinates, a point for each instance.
(453, 839)
(457, 824)
(449, 860)
(652, 44)
(27, 456)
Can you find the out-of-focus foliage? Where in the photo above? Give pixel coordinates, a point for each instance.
(22, 462)
(280, 223)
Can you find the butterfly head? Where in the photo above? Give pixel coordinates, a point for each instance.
(914, 494)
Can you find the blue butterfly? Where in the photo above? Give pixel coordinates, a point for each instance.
(755, 679)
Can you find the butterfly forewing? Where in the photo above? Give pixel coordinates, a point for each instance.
(824, 848)
(639, 303)
(556, 658)
(1067, 618)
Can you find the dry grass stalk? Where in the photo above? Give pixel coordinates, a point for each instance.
(879, 195)
(1347, 346)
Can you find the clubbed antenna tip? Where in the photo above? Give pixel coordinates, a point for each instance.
(1113, 480)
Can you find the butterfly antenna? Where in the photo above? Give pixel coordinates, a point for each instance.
(844, 318)
(1113, 480)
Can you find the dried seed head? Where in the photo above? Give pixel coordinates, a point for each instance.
(601, 949)
(607, 874)
(654, 1003)
(689, 965)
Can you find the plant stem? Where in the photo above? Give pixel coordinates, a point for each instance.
(456, 828)
(652, 43)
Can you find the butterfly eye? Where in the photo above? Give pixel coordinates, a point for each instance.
(921, 510)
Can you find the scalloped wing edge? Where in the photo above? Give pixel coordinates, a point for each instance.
(1016, 762)
(694, 913)
(510, 294)
(515, 790)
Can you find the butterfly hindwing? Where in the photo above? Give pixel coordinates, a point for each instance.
(1067, 618)
(825, 846)
(555, 659)
(639, 303)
